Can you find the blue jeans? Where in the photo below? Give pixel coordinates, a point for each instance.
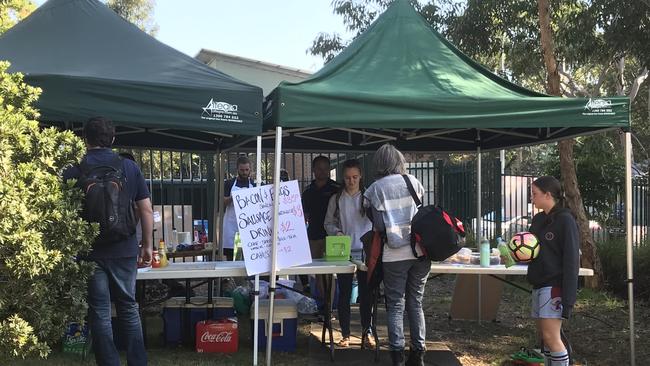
(114, 279)
(404, 281)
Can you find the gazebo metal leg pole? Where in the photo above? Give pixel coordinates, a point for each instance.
(220, 184)
(216, 212)
(628, 227)
(258, 180)
(478, 222)
(219, 227)
(276, 218)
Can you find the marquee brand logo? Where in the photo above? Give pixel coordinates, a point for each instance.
(598, 107)
(221, 111)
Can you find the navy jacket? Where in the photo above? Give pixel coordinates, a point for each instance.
(558, 261)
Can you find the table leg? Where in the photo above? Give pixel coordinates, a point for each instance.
(327, 286)
(185, 314)
(329, 290)
(210, 299)
(511, 283)
(480, 303)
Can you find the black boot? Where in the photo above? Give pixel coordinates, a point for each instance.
(397, 357)
(416, 358)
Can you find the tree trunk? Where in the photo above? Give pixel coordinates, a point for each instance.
(620, 76)
(569, 179)
(589, 257)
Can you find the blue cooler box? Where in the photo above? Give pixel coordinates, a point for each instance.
(285, 324)
(197, 310)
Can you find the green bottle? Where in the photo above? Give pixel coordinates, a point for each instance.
(484, 250)
(237, 246)
(506, 255)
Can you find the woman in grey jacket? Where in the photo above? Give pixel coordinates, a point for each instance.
(346, 216)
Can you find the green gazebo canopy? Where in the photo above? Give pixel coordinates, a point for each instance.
(89, 61)
(401, 81)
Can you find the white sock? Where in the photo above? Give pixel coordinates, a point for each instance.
(547, 356)
(559, 358)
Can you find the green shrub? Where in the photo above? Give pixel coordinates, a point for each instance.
(613, 258)
(42, 286)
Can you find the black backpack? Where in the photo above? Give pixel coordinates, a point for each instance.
(107, 200)
(436, 232)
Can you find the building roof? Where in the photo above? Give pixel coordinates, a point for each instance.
(207, 56)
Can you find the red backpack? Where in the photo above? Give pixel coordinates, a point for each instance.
(435, 234)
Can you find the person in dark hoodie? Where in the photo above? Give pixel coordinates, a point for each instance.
(554, 273)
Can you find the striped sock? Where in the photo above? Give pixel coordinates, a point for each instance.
(559, 358)
(547, 356)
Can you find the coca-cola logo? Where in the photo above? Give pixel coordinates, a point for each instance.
(221, 337)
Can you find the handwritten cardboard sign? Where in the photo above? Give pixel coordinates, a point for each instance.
(254, 212)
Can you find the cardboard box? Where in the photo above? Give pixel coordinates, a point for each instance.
(165, 220)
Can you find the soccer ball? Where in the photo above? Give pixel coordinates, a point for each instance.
(524, 247)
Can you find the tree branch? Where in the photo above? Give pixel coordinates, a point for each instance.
(568, 80)
(567, 90)
(601, 79)
(620, 76)
(634, 90)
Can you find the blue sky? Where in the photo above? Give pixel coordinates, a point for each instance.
(278, 31)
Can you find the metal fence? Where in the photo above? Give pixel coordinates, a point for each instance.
(182, 186)
(182, 189)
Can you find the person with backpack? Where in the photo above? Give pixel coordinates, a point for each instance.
(554, 273)
(114, 189)
(405, 276)
(346, 216)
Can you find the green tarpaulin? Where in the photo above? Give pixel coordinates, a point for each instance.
(401, 81)
(89, 62)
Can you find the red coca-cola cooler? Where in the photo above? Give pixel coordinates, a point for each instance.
(217, 336)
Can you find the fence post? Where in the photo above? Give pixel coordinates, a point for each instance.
(440, 173)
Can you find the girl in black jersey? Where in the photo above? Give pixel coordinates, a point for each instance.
(554, 273)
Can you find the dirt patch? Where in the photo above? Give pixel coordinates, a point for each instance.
(598, 330)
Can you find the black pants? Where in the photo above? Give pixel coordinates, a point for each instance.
(345, 293)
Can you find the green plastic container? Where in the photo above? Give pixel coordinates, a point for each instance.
(337, 248)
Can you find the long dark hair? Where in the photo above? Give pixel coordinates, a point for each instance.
(349, 164)
(548, 184)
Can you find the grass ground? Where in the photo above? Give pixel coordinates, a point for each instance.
(598, 332)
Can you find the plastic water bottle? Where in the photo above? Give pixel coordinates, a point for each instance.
(173, 241)
(506, 256)
(484, 249)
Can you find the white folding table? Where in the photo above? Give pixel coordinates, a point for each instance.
(222, 269)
